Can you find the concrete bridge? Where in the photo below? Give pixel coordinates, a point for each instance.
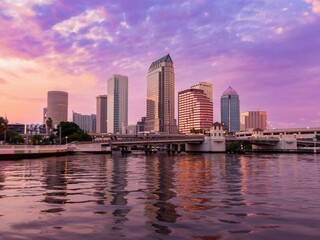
(105, 143)
(197, 143)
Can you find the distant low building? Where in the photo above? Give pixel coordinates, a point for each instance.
(141, 125)
(16, 128)
(132, 129)
(35, 129)
(86, 122)
(253, 120)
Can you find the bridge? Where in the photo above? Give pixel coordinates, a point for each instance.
(254, 140)
(105, 143)
(173, 142)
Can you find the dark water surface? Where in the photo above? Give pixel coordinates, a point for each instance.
(183, 196)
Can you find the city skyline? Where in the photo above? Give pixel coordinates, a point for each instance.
(268, 50)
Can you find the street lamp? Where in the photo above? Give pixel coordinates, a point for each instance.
(66, 139)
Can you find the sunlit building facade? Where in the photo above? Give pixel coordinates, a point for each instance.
(230, 110)
(253, 120)
(195, 111)
(160, 96)
(206, 87)
(57, 106)
(117, 104)
(101, 116)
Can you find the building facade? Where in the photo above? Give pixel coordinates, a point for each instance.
(117, 104)
(195, 111)
(36, 129)
(206, 87)
(86, 122)
(101, 116)
(57, 106)
(160, 96)
(253, 120)
(230, 110)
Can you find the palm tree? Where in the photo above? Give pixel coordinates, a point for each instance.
(49, 125)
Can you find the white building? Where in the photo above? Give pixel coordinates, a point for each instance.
(86, 122)
(117, 104)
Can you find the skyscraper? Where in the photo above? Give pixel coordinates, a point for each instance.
(230, 110)
(57, 104)
(253, 119)
(101, 116)
(160, 96)
(194, 111)
(117, 104)
(206, 87)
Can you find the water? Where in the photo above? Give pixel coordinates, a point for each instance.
(202, 197)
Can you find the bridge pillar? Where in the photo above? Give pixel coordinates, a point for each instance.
(179, 148)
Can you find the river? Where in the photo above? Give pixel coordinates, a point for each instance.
(202, 197)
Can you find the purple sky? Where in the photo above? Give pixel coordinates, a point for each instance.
(267, 50)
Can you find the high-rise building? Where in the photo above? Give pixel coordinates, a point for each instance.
(102, 111)
(86, 122)
(57, 106)
(206, 87)
(160, 96)
(253, 120)
(117, 104)
(230, 110)
(194, 111)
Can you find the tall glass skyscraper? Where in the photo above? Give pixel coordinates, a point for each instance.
(230, 110)
(117, 104)
(160, 96)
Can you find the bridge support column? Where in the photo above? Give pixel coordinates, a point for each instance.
(179, 148)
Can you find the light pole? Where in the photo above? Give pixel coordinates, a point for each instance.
(66, 139)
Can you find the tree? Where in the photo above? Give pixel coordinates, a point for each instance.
(49, 125)
(3, 127)
(73, 132)
(36, 139)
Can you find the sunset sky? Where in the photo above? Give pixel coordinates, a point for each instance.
(267, 50)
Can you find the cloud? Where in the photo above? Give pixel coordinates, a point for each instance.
(75, 24)
(3, 81)
(315, 5)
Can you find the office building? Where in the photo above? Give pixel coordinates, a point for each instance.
(86, 122)
(206, 87)
(57, 108)
(141, 125)
(102, 111)
(36, 129)
(230, 110)
(160, 96)
(253, 120)
(16, 128)
(195, 111)
(117, 104)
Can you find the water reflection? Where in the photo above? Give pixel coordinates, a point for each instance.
(184, 196)
(160, 181)
(194, 183)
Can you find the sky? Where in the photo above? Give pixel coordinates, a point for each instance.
(267, 50)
